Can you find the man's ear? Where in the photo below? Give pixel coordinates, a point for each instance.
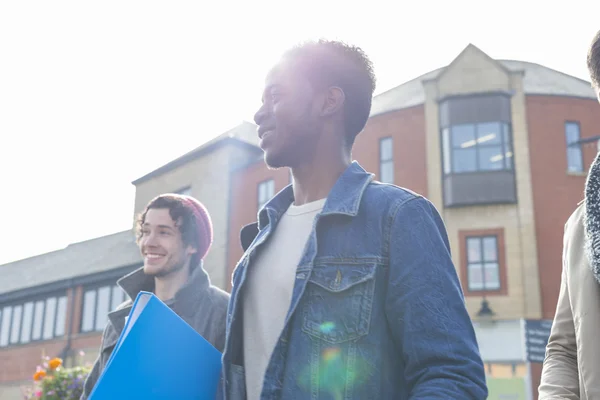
(191, 250)
(333, 101)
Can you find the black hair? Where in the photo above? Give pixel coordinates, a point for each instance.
(333, 63)
(593, 61)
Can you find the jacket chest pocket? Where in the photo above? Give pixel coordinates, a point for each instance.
(338, 302)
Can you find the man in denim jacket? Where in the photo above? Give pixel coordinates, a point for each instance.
(346, 289)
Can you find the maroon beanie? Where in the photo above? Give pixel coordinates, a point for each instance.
(203, 224)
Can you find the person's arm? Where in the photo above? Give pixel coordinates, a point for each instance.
(92, 378)
(426, 310)
(560, 377)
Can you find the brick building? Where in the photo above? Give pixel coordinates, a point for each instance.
(496, 145)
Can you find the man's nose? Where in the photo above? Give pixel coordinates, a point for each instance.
(260, 115)
(149, 240)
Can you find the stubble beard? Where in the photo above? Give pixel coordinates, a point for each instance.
(169, 270)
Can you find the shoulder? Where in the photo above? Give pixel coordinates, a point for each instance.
(387, 195)
(218, 298)
(577, 250)
(575, 224)
(391, 199)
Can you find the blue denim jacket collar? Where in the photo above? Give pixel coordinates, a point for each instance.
(344, 198)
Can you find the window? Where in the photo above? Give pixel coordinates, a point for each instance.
(386, 160)
(477, 150)
(29, 321)
(185, 191)
(266, 190)
(482, 263)
(483, 271)
(97, 303)
(574, 153)
(477, 147)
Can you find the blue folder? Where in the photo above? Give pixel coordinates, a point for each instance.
(159, 356)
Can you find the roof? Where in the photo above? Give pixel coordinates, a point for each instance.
(537, 80)
(78, 259)
(243, 135)
(118, 250)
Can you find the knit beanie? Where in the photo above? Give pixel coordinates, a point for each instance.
(203, 224)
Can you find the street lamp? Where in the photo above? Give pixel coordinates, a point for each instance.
(485, 313)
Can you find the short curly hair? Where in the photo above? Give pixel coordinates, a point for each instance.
(329, 63)
(182, 215)
(593, 61)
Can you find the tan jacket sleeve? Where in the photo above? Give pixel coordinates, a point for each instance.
(560, 378)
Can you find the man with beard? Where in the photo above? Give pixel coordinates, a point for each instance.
(571, 369)
(174, 234)
(347, 289)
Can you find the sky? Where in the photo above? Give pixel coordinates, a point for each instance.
(96, 94)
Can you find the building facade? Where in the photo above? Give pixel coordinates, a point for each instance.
(496, 145)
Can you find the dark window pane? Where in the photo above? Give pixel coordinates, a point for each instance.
(102, 307)
(49, 316)
(463, 136)
(489, 133)
(447, 150)
(492, 276)
(89, 306)
(118, 296)
(574, 153)
(475, 274)
(266, 190)
(490, 249)
(574, 159)
(38, 319)
(491, 158)
(572, 132)
(385, 149)
(271, 191)
(5, 325)
(575, 163)
(61, 316)
(387, 172)
(473, 250)
(508, 151)
(16, 324)
(464, 160)
(27, 322)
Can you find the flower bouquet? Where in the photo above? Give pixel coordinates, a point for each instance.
(52, 381)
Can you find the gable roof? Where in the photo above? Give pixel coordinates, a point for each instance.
(537, 80)
(118, 250)
(243, 135)
(75, 260)
(477, 50)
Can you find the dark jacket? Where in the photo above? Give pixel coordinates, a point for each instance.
(201, 305)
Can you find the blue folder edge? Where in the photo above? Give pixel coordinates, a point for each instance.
(125, 328)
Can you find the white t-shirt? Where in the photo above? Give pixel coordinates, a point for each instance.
(268, 290)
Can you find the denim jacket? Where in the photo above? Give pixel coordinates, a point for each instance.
(377, 311)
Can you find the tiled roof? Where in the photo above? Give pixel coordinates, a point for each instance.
(120, 250)
(78, 259)
(537, 80)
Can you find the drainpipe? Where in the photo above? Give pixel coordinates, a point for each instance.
(67, 349)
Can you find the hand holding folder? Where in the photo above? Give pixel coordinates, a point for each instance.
(159, 356)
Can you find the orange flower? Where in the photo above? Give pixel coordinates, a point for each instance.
(38, 376)
(55, 363)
